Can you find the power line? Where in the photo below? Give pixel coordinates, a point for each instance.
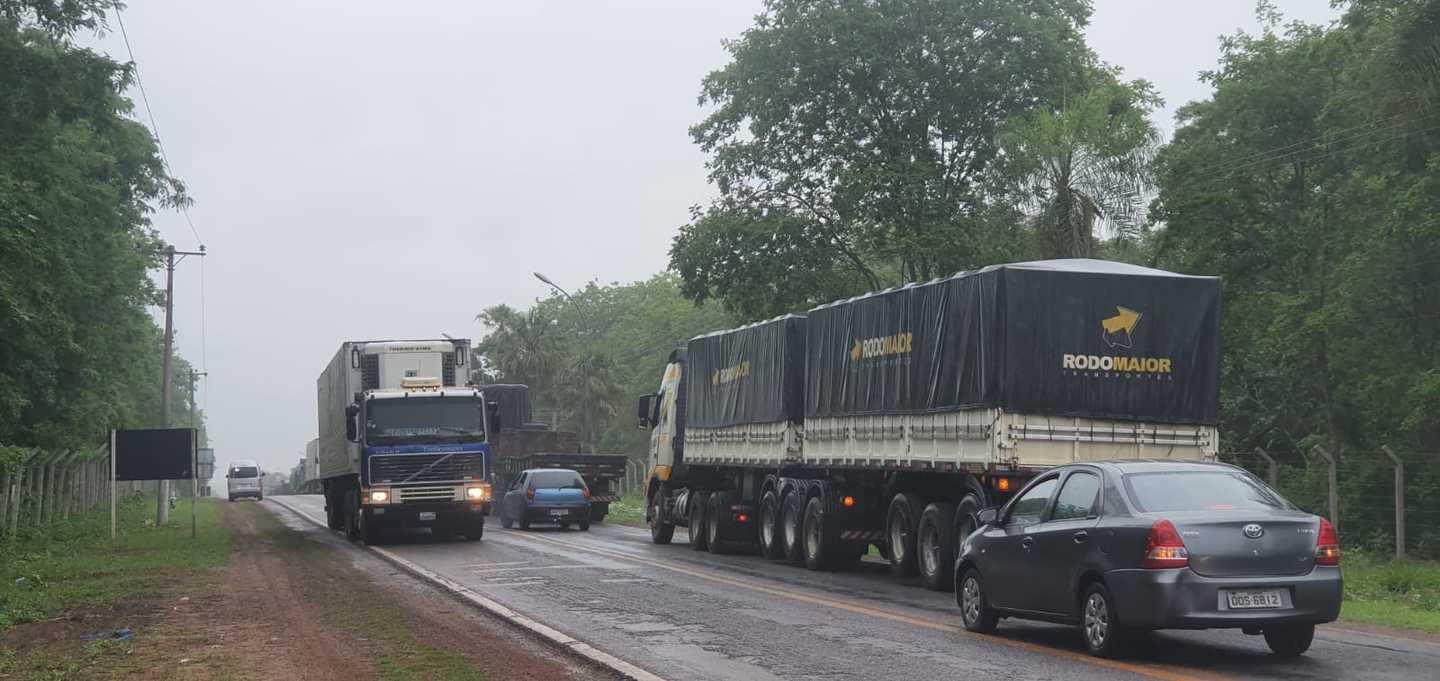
(150, 113)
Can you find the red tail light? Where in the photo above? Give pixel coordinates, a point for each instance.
(1327, 545)
(1164, 548)
(529, 492)
(586, 490)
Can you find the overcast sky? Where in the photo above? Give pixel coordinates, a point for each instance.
(366, 170)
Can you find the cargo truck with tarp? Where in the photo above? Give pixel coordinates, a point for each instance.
(404, 439)
(891, 419)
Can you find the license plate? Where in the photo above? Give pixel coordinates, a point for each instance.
(1253, 600)
(558, 511)
(427, 515)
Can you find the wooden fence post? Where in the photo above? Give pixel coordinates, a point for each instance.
(1334, 484)
(4, 500)
(1273, 473)
(1399, 501)
(17, 490)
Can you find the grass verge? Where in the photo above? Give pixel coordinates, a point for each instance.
(60, 582)
(629, 510)
(1401, 594)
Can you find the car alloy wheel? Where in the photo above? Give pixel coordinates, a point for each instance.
(1097, 621)
(970, 600)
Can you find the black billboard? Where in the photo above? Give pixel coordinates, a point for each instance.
(1063, 337)
(753, 374)
(155, 454)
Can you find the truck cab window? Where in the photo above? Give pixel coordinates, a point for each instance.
(425, 418)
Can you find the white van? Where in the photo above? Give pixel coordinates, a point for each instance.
(244, 480)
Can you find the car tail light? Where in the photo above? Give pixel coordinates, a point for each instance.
(586, 491)
(1164, 548)
(529, 492)
(1327, 545)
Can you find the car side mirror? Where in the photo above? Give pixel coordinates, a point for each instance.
(642, 412)
(988, 516)
(492, 409)
(352, 427)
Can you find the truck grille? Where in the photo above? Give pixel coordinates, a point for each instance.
(410, 494)
(393, 468)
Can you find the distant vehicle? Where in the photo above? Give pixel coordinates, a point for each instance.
(1129, 546)
(404, 440)
(244, 480)
(546, 495)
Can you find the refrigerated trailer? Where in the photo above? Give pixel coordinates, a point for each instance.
(404, 440)
(891, 419)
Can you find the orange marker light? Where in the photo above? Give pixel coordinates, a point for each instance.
(849, 501)
(1003, 484)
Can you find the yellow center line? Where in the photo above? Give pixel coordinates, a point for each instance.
(1151, 671)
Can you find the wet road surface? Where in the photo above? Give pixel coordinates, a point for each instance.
(686, 615)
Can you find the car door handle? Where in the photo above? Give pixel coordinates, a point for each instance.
(1081, 536)
(1027, 542)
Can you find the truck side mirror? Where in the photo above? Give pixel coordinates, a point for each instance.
(642, 412)
(352, 427)
(987, 517)
(493, 410)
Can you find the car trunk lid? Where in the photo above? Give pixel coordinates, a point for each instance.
(1248, 543)
(559, 495)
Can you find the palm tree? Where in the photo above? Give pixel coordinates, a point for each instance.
(1085, 168)
(521, 347)
(592, 388)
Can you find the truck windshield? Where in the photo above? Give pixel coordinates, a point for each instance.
(427, 418)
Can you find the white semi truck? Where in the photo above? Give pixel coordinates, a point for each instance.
(404, 440)
(893, 418)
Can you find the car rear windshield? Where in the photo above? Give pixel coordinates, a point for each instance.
(1200, 491)
(244, 472)
(555, 479)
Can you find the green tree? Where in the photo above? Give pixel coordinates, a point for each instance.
(79, 179)
(1085, 165)
(850, 143)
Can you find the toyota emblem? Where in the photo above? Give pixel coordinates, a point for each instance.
(1254, 530)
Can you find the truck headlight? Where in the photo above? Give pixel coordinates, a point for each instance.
(480, 493)
(379, 496)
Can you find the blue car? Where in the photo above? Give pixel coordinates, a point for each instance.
(546, 495)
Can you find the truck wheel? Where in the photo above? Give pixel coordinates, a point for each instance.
(966, 519)
(474, 530)
(901, 523)
(661, 530)
(352, 511)
(369, 530)
(823, 548)
(715, 517)
(696, 508)
(772, 546)
(935, 546)
(792, 523)
(598, 510)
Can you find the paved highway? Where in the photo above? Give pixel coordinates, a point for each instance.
(687, 615)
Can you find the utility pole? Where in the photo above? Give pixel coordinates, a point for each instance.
(162, 499)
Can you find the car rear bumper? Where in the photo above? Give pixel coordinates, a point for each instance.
(555, 514)
(1183, 599)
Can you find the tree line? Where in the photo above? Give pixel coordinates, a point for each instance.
(859, 145)
(79, 180)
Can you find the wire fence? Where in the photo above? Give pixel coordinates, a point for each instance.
(1382, 501)
(40, 488)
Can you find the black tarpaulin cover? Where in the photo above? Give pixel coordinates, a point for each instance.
(753, 374)
(1077, 337)
(514, 400)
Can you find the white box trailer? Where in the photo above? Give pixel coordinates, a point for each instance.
(937, 398)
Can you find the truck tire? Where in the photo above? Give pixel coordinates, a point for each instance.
(966, 519)
(352, 512)
(935, 546)
(661, 529)
(715, 522)
(475, 530)
(598, 510)
(772, 543)
(824, 550)
(369, 531)
(792, 526)
(901, 523)
(695, 506)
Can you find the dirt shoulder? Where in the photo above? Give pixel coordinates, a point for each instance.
(291, 604)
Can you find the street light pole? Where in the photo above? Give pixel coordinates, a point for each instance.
(585, 390)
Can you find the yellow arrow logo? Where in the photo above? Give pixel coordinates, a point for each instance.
(1125, 321)
(855, 352)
